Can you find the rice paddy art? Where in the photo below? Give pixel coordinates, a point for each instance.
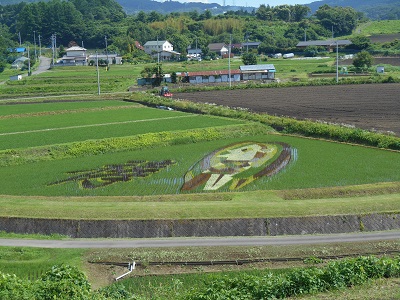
(109, 174)
(236, 166)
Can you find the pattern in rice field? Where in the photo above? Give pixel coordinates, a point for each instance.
(237, 165)
(109, 174)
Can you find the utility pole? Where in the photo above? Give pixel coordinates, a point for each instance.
(337, 61)
(98, 73)
(54, 46)
(40, 47)
(34, 42)
(229, 61)
(29, 63)
(247, 42)
(19, 37)
(105, 38)
(158, 53)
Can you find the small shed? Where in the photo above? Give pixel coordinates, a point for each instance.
(380, 69)
(16, 77)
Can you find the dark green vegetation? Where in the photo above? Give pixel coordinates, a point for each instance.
(278, 28)
(182, 282)
(59, 282)
(335, 275)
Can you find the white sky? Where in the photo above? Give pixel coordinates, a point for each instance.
(253, 3)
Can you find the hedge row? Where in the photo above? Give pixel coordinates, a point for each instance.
(336, 275)
(137, 142)
(283, 124)
(315, 82)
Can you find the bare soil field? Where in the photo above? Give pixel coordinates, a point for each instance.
(366, 106)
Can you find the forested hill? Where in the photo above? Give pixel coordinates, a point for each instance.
(373, 9)
(134, 6)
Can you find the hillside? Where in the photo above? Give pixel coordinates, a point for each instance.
(374, 9)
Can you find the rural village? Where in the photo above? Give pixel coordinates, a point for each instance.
(198, 150)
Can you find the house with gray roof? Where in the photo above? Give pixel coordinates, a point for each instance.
(163, 50)
(19, 62)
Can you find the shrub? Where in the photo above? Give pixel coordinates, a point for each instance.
(63, 282)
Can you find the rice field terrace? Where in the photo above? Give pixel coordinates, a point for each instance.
(105, 156)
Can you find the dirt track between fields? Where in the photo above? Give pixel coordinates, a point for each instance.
(367, 106)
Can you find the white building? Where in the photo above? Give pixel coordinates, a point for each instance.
(164, 50)
(152, 47)
(74, 56)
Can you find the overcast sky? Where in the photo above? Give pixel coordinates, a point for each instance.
(253, 3)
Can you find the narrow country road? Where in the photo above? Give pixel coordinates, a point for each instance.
(204, 242)
(44, 65)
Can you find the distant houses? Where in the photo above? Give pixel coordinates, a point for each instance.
(77, 56)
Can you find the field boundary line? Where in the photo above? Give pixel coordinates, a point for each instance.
(93, 125)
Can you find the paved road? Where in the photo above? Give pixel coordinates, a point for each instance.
(204, 242)
(44, 65)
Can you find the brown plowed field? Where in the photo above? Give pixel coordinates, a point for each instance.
(367, 106)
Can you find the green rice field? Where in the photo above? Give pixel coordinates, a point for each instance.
(35, 126)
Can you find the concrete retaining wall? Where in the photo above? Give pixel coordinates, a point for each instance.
(201, 228)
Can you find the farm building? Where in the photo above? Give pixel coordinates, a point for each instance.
(330, 45)
(249, 72)
(212, 76)
(250, 45)
(258, 72)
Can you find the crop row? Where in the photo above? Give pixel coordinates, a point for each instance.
(127, 143)
(286, 125)
(336, 275)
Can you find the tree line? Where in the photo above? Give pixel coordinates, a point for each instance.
(88, 22)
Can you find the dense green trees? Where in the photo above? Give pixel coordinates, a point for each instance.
(87, 22)
(363, 60)
(249, 59)
(341, 20)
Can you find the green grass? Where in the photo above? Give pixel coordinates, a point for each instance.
(380, 27)
(246, 205)
(31, 263)
(62, 106)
